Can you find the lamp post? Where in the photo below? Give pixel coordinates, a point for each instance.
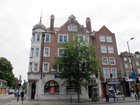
(129, 53)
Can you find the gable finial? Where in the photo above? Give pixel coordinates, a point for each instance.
(41, 17)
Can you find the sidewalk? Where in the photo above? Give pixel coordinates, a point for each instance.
(67, 102)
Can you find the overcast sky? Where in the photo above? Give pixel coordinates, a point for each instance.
(17, 18)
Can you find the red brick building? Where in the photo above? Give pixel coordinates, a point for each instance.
(105, 43)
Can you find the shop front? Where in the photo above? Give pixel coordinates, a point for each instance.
(114, 87)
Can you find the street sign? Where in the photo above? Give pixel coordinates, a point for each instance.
(133, 75)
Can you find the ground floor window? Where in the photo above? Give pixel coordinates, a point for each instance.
(51, 87)
(71, 88)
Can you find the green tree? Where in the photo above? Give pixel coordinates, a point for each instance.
(78, 62)
(6, 72)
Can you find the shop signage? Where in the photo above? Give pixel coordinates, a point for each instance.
(133, 75)
(52, 90)
(56, 76)
(113, 81)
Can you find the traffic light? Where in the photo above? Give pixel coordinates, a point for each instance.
(137, 80)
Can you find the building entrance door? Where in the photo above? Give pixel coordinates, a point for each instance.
(33, 91)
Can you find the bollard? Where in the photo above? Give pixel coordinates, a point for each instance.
(107, 98)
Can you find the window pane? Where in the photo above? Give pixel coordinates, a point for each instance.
(47, 52)
(32, 52)
(33, 38)
(60, 38)
(125, 59)
(112, 61)
(36, 67)
(103, 49)
(46, 67)
(109, 39)
(30, 67)
(81, 38)
(110, 49)
(47, 38)
(65, 38)
(37, 52)
(87, 38)
(105, 61)
(125, 65)
(60, 52)
(106, 72)
(113, 71)
(38, 37)
(102, 38)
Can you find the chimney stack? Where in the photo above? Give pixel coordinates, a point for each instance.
(88, 24)
(52, 23)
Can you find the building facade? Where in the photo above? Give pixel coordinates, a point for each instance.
(105, 43)
(43, 80)
(130, 71)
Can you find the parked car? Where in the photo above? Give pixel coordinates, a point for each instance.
(11, 91)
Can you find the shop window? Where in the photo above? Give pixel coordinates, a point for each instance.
(71, 88)
(51, 87)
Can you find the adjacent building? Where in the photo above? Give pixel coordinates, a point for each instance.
(130, 70)
(105, 43)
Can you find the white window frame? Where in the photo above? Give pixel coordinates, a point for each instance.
(102, 38)
(137, 63)
(112, 60)
(127, 73)
(130, 60)
(33, 38)
(37, 37)
(103, 47)
(62, 37)
(38, 52)
(126, 65)
(109, 39)
(125, 59)
(115, 72)
(107, 72)
(110, 49)
(103, 62)
(48, 52)
(30, 66)
(72, 28)
(138, 70)
(49, 38)
(58, 52)
(44, 67)
(37, 67)
(32, 52)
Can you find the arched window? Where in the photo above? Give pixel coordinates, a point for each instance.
(51, 87)
(71, 88)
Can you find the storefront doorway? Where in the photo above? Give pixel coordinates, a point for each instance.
(33, 89)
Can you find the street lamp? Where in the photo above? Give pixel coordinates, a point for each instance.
(129, 52)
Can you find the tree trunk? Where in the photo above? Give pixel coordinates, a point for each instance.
(78, 93)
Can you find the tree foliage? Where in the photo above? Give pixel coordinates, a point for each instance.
(78, 62)
(6, 72)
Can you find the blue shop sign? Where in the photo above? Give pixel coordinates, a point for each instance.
(133, 75)
(56, 76)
